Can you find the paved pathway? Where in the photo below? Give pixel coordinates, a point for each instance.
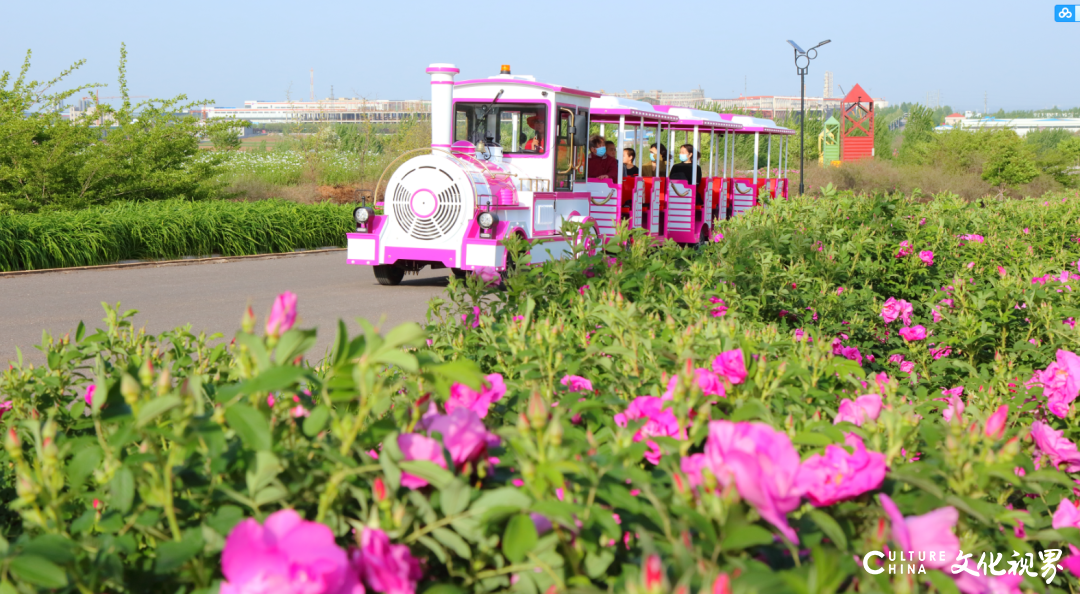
(211, 296)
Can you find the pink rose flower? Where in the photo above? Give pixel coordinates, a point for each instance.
(417, 447)
(731, 366)
(764, 465)
(286, 554)
(897, 358)
(282, 314)
(709, 383)
(852, 353)
(659, 421)
(927, 257)
(913, 332)
(955, 408)
(838, 475)
(862, 409)
(839, 290)
(896, 308)
(489, 275)
(800, 335)
(386, 567)
(462, 396)
(1060, 382)
(576, 383)
(463, 434)
(940, 352)
(5, 406)
(929, 532)
(692, 466)
(995, 423)
(88, 397)
(476, 317)
(1053, 444)
(907, 366)
(1068, 516)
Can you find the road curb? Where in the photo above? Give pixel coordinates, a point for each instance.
(156, 263)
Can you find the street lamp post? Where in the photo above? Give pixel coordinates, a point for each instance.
(802, 63)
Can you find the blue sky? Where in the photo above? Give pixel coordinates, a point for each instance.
(235, 51)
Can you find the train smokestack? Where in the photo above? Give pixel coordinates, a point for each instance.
(442, 97)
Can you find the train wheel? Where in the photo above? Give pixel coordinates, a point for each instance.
(389, 274)
(459, 273)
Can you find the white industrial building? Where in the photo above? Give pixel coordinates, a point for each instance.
(1021, 125)
(341, 110)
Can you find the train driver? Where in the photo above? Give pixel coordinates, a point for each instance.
(683, 170)
(536, 143)
(601, 165)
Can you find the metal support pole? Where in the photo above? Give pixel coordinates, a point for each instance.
(693, 159)
(619, 148)
(802, 130)
(671, 146)
(756, 140)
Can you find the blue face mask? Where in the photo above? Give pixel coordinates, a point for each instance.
(652, 156)
(683, 157)
(600, 152)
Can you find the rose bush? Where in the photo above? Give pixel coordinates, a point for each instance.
(539, 436)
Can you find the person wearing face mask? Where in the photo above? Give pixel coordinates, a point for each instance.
(601, 165)
(650, 169)
(684, 169)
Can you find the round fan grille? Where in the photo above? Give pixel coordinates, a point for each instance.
(427, 203)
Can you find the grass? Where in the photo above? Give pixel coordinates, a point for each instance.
(167, 229)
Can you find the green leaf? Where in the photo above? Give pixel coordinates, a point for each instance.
(400, 359)
(171, 554)
(122, 490)
(38, 571)
(520, 538)
(55, 548)
(596, 564)
(315, 421)
(444, 589)
(812, 439)
(462, 371)
(942, 582)
(155, 408)
(455, 497)
(292, 343)
(250, 425)
(434, 547)
(453, 542)
(831, 529)
(225, 519)
(429, 471)
(82, 465)
(744, 537)
(273, 380)
(503, 497)
(751, 409)
(407, 334)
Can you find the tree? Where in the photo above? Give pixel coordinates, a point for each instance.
(146, 151)
(918, 132)
(1070, 147)
(1010, 161)
(226, 140)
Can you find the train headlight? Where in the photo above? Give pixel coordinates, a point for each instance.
(487, 222)
(362, 216)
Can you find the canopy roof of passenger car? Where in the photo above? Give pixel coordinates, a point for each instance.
(525, 81)
(751, 124)
(688, 118)
(607, 109)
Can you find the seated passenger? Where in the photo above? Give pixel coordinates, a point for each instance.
(684, 169)
(536, 143)
(629, 168)
(649, 169)
(600, 164)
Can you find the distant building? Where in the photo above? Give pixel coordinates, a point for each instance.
(1022, 125)
(346, 110)
(692, 98)
(771, 106)
(952, 119)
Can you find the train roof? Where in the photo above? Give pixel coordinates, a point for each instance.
(607, 108)
(526, 81)
(688, 118)
(751, 124)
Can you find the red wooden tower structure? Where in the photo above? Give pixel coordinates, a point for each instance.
(857, 126)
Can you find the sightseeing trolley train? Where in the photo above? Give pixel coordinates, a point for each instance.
(513, 156)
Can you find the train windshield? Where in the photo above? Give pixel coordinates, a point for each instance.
(517, 128)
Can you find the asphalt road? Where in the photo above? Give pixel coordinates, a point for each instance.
(211, 296)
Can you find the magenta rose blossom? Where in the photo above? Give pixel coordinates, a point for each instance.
(907, 366)
(88, 397)
(932, 531)
(764, 465)
(418, 447)
(1060, 382)
(463, 434)
(838, 475)
(731, 365)
(692, 466)
(462, 396)
(1053, 444)
(660, 421)
(576, 383)
(1068, 516)
(862, 409)
(927, 257)
(896, 308)
(286, 554)
(709, 383)
(387, 568)
(913, 332)
(488, 275)
(282, 314)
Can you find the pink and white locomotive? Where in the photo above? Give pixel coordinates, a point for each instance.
(509, 156)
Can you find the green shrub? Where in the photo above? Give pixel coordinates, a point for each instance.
(167, 229)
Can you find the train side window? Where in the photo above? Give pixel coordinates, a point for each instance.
(516, 128)
(462, 124)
